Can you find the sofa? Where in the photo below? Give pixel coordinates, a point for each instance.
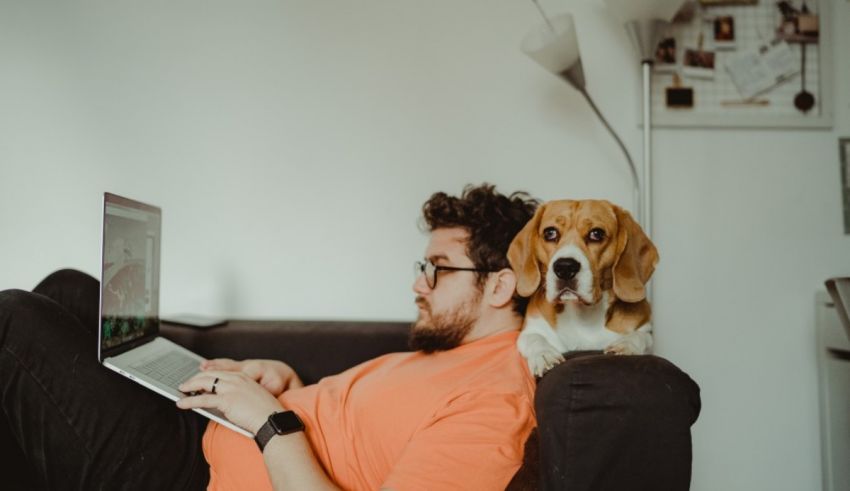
(604, 422)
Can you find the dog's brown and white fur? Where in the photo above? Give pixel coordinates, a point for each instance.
(585, 265)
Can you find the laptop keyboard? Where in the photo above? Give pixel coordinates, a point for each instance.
(171, 368)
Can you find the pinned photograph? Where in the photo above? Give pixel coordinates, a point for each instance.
(665, 55)
(698, 63)
(797, 25)
(677, 96)
(724, 32)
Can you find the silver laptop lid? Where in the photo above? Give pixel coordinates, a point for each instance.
(129, 286)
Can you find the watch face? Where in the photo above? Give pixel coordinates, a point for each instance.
(286, 422)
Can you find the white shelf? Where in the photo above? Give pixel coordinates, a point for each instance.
(834, 382)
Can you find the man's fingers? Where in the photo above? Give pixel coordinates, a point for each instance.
(272, 383)
(197, 384)
(221, 364)
(253, 370)
(204, 381)
(197, 401)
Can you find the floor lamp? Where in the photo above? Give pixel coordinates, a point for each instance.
(645, 21)
(554, 45)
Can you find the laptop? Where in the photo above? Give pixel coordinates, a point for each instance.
(129, 341)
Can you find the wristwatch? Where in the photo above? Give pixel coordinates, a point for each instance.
(279, 423)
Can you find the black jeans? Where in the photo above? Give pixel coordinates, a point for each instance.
(68, 422)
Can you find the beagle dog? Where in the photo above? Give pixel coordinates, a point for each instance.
(585, 265)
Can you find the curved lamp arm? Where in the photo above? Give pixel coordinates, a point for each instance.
(628, 156)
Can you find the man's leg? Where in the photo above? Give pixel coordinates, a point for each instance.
(18, 474)
(79, 424)
(77, 292)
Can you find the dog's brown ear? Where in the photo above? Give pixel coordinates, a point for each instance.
(636, 259)
(522, 257)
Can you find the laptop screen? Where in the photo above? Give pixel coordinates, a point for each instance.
(129, 297)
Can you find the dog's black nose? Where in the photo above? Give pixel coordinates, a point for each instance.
(566, 268)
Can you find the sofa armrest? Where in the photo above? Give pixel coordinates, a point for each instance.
(314, 349)
(616, 422)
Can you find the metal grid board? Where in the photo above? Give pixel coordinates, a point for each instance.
(755, 25)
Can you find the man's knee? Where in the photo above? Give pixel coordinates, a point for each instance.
(23, 311)
(76, 292)
(16, 309)
(66, 280)
(14, 300)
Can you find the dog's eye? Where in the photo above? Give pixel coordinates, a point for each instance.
(550, 234)
(596, 235)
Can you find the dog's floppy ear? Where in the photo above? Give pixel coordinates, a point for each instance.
(636, 259)
(522, 258)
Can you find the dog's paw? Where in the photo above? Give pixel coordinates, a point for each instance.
(544, 359)
(627, 345)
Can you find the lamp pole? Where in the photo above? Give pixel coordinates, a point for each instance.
(644, 33)
(646, 189)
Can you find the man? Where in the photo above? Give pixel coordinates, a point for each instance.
(453, 414)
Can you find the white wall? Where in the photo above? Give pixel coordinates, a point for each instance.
(291, 145)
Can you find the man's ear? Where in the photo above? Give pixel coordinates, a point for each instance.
(522, 257)
(501, 287)
(636, 259)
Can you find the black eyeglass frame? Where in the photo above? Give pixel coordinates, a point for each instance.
(420, 266)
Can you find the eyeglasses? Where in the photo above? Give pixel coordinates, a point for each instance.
(430, 269)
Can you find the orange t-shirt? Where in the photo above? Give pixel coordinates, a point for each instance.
(455, 419)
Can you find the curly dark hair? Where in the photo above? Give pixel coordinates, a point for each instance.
(492, 220)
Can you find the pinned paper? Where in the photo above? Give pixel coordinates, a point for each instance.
(759, 68)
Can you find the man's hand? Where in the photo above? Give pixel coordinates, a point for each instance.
(275, 376)
(289, 458)
(242, 400)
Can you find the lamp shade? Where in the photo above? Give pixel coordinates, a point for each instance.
(554, 45)
(641, 10)
(644, 21)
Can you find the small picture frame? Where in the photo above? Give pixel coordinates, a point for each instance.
(679, 97)
(698, 63)
(797, 24)
(724, 32)
(666, 55)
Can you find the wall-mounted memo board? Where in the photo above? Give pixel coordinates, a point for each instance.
(739, 63)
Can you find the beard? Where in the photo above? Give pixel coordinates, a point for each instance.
(443, 331)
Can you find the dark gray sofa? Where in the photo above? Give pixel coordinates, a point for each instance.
(604, 422)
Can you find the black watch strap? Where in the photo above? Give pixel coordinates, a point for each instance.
(280, 423)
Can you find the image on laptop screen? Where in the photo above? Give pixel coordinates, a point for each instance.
(130, 271)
